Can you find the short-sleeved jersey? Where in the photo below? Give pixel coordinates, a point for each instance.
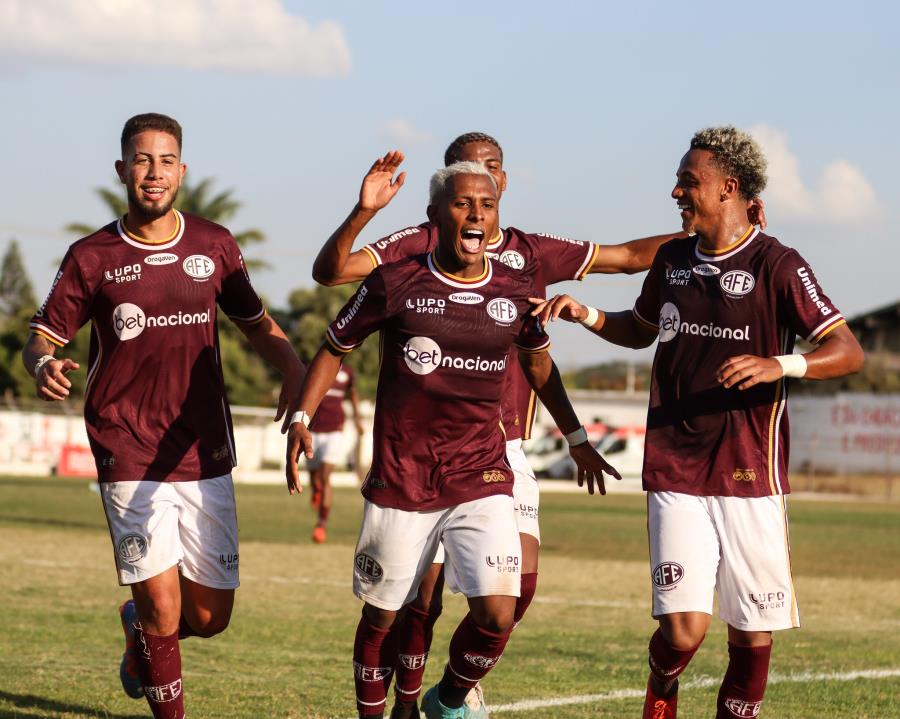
(445, 346)
(330, 415)
(155, 405)
(547, 259)
(751, 298)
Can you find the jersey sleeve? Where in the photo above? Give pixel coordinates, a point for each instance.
(647, 306)
(237, 298)
(400, 245)
(532, 337)
(363, 314)
(806, 309)
(68, 304)
(564, 259)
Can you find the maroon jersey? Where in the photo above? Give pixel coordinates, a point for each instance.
(750, 298)
(445, 346)
(330, 415)
(547, 259)
(154, 405)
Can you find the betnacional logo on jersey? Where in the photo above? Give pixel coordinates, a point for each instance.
(466, 298)
(129, 320)
(423, 356)
(427, 305)
(706, 270)
(667, 574)
(132, 548)
(737, 283)
(502, 310)
(368, 568)
(513, 259)
(161, 258)
(199, 267)
(810, 287)
(128, 273)
(742, 708)
(678, 277)
(671, 325)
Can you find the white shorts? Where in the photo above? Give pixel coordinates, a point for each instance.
(736, 546)
(396, 548)
(328, 448)
(157, 525)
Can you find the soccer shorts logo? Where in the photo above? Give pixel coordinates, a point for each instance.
(368, 568)
(132, 548)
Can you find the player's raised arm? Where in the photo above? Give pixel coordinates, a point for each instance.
(49, 373)
(335, 263)
(620, 328)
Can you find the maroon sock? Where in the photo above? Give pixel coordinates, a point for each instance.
(526, 594)
(323, 513)
(416, 634)
(473, 653)
(374, 658)
(159, 665)
(667, 662)
(742, 690)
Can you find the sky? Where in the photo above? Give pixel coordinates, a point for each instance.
(288, 103)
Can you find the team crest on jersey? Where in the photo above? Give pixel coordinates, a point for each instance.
(132, 548)
(706, 270)
(199, 267)
(502, 310)
(744, 475)
(513, 259)
(737, 283)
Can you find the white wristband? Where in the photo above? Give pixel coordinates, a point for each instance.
(40, 363)
(592, 316)
(578, 436)
(792, 365)
(302, 417)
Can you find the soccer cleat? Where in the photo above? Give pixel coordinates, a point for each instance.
(405, 710)
(433, 708)
(660, 707)
(128, 671)
(319, 534)
(474, 704)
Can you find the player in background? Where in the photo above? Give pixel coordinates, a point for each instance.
(439, 473)
(547, 259)
(725, 305)
(327, 429)
(155, 407)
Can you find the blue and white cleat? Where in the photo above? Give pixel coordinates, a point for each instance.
(128, 671)
(474, 705)
(433, 708)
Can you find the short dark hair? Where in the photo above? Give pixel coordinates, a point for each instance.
(453, 150)
(150, 121)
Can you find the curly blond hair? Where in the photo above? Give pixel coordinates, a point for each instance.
(737, 155)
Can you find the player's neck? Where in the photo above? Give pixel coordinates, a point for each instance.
(156, 229)
(450, 264)
(730, 231)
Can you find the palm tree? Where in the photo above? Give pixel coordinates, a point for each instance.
(195, 199)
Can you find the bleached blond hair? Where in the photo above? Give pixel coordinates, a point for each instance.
(736, 153)
(440, 178)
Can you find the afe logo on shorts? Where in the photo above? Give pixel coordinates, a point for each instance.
(744, 475)
(199, 267)
(667, 575)
(742, 708)
(368, 568)
(737, 283)
(493, 475)
(132, 548)
(502, 310)
(513, 259)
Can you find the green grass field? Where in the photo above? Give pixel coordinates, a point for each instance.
(288, 650)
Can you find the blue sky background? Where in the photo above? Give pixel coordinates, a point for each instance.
(594, 104)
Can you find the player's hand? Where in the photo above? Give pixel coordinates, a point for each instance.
(756, 212)
(590, 467)
(52, 385)
(379, 186)
(288, 397)
(745, 371)
(299, 441)
(559, 306)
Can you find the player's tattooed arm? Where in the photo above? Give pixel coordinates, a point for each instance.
(319, 378)
(335, 263)
(837, 355)
(543, 376)
(51, 382)
(619, 328)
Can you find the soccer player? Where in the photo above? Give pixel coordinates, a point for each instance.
(439, 472)
(155, 407)
(725, 304)
(547, 259)
(327, 429)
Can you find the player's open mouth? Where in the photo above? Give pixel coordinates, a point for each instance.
(684, 207)
(153, 193)
(472, 239)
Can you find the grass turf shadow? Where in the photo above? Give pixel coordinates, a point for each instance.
(25, 702)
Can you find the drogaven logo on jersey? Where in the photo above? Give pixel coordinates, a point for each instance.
(706, 270)
(129, 320)
(737, 283)
(199, 267)
(466, 298)
(161, 258)
(423, 356)
(502, 310)
(671, 325)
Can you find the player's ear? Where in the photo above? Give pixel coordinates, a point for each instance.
(730, 190)
(120, 170)
(503, 183)
(431, 211)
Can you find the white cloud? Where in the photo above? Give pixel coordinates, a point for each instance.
(236, 35)
(843, 193)
(403, 133)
